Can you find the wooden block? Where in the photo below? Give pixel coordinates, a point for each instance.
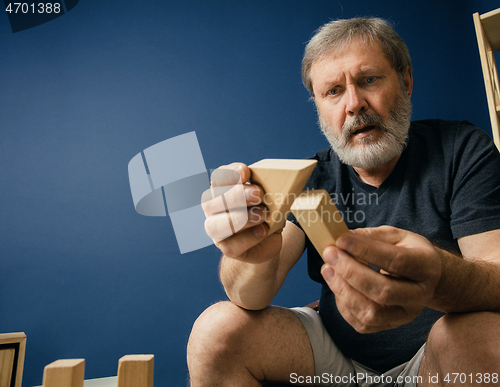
(136, 371)
(12, 350)
(282, 181)
(64, 373)
(319, 218)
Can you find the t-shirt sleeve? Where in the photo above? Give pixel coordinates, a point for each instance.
(475, 201)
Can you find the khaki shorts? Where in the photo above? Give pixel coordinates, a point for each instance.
(334, 369)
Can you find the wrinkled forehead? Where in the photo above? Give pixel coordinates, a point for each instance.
(357, 55)
(339, 48)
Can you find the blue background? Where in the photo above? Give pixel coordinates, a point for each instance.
(81, 272)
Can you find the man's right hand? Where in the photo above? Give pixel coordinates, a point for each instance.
(249, 242)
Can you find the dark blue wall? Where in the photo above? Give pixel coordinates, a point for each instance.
(80, 271)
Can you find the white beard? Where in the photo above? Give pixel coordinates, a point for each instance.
(372, 153)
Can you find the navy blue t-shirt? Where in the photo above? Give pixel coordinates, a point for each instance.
(445, 185)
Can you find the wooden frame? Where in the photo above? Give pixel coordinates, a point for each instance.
(12, 351)
(488, 38)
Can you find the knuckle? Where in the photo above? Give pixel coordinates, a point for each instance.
(339, 288)
(228, 248)
(367, 316)
(397, 263)
(256, 215)
(348, 272)
(215, 229)
(385, 295)
(361, 328)
(239, 219)
(235, 196)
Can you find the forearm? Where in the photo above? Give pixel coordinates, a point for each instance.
(250, 285)
(467, 285)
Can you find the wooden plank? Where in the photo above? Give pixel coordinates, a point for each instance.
(15, 341)
(136, 371)
(491, 25)
(64, 373)
(490, 76)
(7, 358)
(282, 181)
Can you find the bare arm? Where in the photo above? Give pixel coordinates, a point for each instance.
(253, 285)
(253, 266)
(471, 283)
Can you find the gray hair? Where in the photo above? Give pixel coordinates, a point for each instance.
(338, 33)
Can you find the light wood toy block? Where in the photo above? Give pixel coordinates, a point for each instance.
(282, 181)
(64, 373)
(319, 218)
(12, 350)
(136, 371)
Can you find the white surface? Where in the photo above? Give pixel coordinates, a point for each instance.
(101, 382)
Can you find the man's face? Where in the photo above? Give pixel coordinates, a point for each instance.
(364, 109)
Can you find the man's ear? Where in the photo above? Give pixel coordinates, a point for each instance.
(408, 80)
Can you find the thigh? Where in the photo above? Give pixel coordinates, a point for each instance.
(281, 345)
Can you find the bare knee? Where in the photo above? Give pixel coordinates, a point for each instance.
(465, 340)
(216, 333)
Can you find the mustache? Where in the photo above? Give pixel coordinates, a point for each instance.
(358, 121)
(363, 119)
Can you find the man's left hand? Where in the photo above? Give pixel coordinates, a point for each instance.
(373, 301)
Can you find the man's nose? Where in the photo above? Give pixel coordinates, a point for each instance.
(355, 102)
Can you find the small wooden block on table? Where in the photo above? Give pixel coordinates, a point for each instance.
(136, 371)
(282, 181)
(12, 349)
(64, 373)
(319, 218)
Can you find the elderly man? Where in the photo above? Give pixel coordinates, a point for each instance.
(430, 314)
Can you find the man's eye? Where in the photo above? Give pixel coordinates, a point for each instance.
(333, 91)
(371, 79)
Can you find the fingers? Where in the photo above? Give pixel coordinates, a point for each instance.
(370, 300)
(398, 252)
(220, 199)
(238, 245)
(218, 226)
(387, 234)
(361, 312)
(229, 191)
(380, 288)
(235, 214)
(230, 175)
